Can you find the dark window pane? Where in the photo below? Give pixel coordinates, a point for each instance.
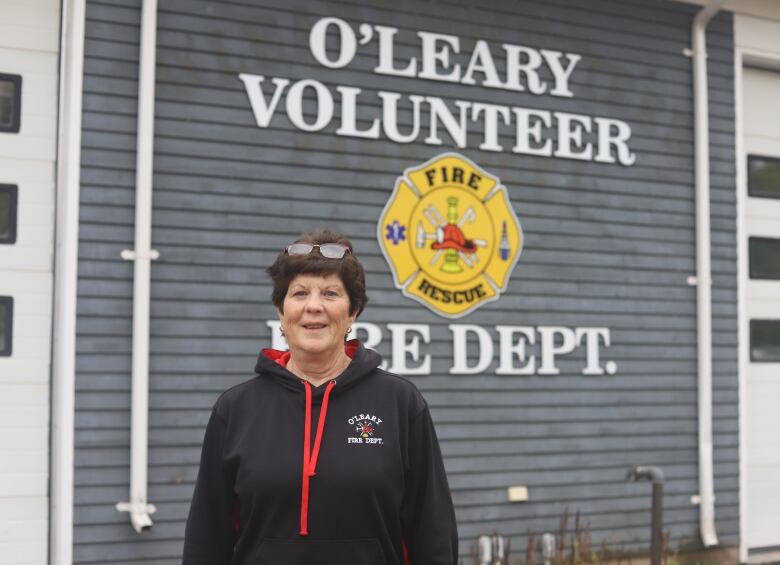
(10, 102)
(764, 258)
(8, 208)
(6, 104)
(6, 324)
(763, 176)
(765, 341)
(5, 214)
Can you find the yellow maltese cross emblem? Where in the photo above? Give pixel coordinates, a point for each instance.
(450, 235)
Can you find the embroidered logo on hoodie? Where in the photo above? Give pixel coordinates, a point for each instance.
(366, 428)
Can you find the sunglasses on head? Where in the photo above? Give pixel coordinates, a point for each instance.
(328, 250)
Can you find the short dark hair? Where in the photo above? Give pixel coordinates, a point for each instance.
(348, 269)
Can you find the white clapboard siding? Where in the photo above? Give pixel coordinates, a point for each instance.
(29, 46)
(31, 25)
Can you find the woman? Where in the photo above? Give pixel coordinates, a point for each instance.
(367, 485)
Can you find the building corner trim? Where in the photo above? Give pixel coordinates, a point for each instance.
(65, 281)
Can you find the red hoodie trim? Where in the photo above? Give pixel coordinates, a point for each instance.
(280, 357)
(283, 357)
(350, 347)
(235, 513)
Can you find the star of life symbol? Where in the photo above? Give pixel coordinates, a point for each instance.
(465, 237)
(396, 232)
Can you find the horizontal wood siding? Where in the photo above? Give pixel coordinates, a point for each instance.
(606, 245)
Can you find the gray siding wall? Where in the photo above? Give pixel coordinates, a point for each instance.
(605, 245)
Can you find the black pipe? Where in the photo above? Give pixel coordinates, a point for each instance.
(654, 474)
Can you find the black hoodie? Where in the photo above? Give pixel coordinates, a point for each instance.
(375, 492)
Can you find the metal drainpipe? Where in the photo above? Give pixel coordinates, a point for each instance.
(654, 474)
(703, 278)
(143, 254)
(66, 251)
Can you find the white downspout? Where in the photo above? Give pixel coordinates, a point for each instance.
(66, 251)
(703, 272)
(143, 254)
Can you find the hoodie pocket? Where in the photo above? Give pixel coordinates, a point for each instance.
(320, 552)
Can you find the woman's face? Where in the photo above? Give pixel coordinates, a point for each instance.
(316, 315)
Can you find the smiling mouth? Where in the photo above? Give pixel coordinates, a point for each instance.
(314, 326)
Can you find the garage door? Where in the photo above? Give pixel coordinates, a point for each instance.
(29, 45)
(762, 226)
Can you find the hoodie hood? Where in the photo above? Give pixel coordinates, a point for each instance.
(272, 363)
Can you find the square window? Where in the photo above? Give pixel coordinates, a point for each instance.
(8, 198)
(765, 341)
(10, 102)
(764, 253)
(763, 176)
(6, 325)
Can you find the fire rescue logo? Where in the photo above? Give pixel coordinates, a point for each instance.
(365, 429)
(450, 235)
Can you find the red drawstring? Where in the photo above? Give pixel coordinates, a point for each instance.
(310, 458)
(320, 427)
(306, 443)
